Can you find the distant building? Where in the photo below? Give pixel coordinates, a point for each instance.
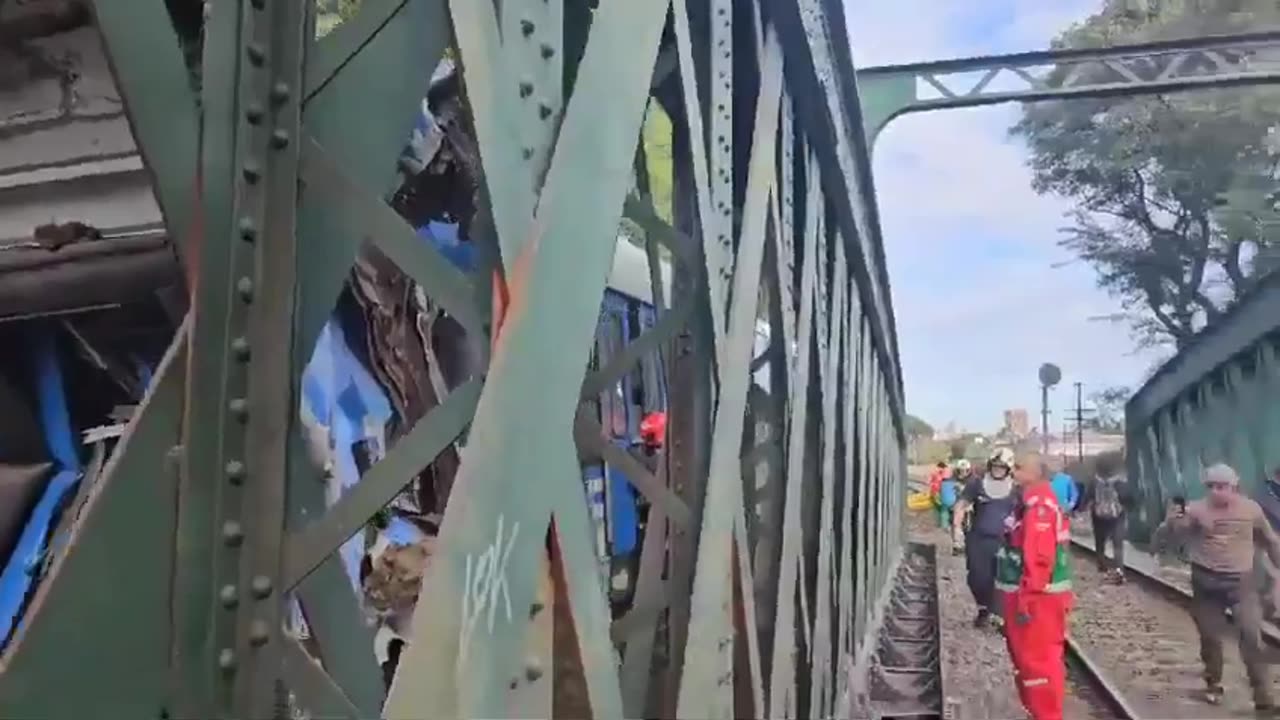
(1094, 443)
(1017, 423)
(947, 433)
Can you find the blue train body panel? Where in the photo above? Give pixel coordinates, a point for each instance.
(342, 397)
(623, 406)
(24, 564)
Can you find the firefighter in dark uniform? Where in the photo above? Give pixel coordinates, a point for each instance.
(984, 505)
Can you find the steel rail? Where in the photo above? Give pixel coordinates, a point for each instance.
(1107, 690)
(1176, 593)
(1172, 591)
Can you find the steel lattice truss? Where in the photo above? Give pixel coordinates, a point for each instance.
(1217, 400)
(764, 562)
(1167, 66)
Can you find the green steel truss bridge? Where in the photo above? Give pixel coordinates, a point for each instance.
(775, 510)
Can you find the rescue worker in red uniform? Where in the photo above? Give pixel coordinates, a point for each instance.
(653, 430)
(1033, 571)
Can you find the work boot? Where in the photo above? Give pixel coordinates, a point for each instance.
(997, 623)
(1213, 694)
(983, 619)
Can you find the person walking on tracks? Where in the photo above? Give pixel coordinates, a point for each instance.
(939, 475)
(1034, 574)
(950, 497)
(1223, 532)
(1064, 486)
(1109, 500)
(981, 512)
(949, 493)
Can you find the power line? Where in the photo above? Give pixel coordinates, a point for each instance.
(1080, 412)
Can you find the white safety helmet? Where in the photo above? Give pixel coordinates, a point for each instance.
(1002, 456)
(963, 465)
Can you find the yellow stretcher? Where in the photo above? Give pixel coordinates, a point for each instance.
(919, 501)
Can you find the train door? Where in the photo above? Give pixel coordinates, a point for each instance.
(612, 413)
(623, 428)
(618, 509)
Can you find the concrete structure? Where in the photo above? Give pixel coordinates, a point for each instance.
(68, 151)
(1017, 422)
(1094, 444)
(70, 157)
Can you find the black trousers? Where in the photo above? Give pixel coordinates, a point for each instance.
(1109, 530)
(1213, 594)
(980, 562)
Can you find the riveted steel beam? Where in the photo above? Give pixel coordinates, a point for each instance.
(148, 66)
(782, 676)
(1146, 68)
(260, 407)
(1212, 402)
(457, 654)
(718, 255)
(848, 475)
(1244, 327)
(822, 653)
(293, 169)
(825, 97)
(709, 656)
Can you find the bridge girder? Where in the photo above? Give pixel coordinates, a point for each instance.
(213, 517)
(1158, 67)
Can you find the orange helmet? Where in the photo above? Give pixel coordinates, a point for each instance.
(653, 428)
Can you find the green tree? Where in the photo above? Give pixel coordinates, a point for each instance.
(331, 13)
(1172, 194)
(656, 133)
(1109, 404)
(917, 428)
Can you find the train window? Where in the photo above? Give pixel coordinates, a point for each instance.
(651, 365)
(634, 326)
(593, 364)
(653, 400)
(636, 381)
(613, 401)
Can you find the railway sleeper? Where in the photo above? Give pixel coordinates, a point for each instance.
(904, 678)
(1143, 639)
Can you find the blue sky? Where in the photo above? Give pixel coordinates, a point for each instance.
(971, 248)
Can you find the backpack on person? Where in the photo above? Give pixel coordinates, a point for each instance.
(949, 493)
(1106, 499)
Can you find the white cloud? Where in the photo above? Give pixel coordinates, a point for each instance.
(957, 167)
(970, 245)
(912, 30)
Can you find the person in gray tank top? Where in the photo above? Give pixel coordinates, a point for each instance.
(1223, 532)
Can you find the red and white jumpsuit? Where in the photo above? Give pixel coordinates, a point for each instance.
(1036, 606)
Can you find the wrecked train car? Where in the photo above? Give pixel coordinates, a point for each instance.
(92, 289)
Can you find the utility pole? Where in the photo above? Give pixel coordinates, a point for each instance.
(1079, 423)
(1044, 419)
(1049, 375)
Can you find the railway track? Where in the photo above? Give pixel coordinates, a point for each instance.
(1142, 643)
(974, 670)
(1087, 682)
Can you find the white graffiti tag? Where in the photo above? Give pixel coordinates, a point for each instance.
(485, 587)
